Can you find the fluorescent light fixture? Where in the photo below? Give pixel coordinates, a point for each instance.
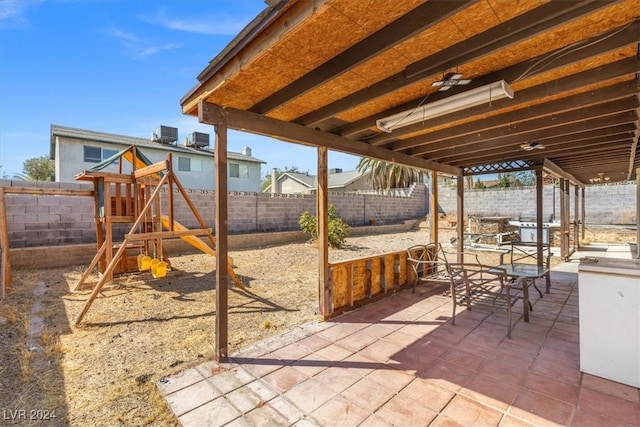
(457, 102)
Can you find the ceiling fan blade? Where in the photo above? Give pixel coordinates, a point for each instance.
(529, 146)
(455, 76)
(438, 83)
(464, 82)
(445, 87)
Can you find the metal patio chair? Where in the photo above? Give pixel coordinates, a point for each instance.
(429, 263)
(481, 286)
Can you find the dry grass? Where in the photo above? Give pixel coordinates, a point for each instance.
(25, 364)
(140, 329)
(604, 234)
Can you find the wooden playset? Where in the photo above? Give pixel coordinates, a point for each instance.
(136, 198)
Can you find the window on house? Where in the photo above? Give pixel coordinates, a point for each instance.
(106, 153)
(237, 170)
(196, 165)
(92, 154)
(98, 154)
(186, 164)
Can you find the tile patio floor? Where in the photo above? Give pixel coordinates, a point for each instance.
(400, 362)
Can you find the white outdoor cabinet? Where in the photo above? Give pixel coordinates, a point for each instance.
(609, 303)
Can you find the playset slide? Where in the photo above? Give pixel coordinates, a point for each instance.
(200, 245)
(192, 240)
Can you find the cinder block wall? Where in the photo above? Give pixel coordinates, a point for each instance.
(611, 204)
(36, 220)
(262, 212)
(57, 220)
(608, 204)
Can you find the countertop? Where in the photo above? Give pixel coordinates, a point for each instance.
(629, 267)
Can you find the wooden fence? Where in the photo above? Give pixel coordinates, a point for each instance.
(358, 281)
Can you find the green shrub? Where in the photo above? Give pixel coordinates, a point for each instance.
(338, 229)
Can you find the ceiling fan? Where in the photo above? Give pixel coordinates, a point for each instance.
(532, 145)
(449, 80)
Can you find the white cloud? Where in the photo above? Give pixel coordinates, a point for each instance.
(14, 11)
(209, 24)
(152, 50)
(139, 47)
(129, 37)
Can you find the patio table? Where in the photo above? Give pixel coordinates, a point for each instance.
(528, 273)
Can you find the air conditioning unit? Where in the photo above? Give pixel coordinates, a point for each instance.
(165, 135)
(197, 140)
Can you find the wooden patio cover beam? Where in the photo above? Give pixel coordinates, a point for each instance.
(513, 147)
(586, 78)
(619, 112)
(598, 159)
(523, 115)
(561, 142)
(557, 171)
(538, 21)
(554, 146)
(403, 28)
(480, 144)
(569, 146)
(597, 45)
(255, 123)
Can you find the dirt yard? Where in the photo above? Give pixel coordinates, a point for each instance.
(140, 329)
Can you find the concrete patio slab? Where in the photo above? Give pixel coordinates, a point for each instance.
(401, 362)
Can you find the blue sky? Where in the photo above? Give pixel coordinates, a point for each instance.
(118, 66)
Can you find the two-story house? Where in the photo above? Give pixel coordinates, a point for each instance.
(74, 150)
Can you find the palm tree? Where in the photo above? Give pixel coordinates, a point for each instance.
(385, 176)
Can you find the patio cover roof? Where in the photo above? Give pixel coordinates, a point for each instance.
(321, 72)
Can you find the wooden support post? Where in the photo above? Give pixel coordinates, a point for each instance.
(576, 218)
(222, 261)
(583, 214)
(637, 213)
(324, 285)
(460, 211)
(5, 283)
(433, 206)
(170, 191)
(98, 184)
(157, 222)
(569, 219)
(539, 210)
(563, 223)
(565, 228)
(108, 226)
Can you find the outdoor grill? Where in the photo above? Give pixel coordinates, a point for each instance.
(528, 229)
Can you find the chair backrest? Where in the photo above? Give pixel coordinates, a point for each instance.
(431, 252)
(433, 255)
(427, 259)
